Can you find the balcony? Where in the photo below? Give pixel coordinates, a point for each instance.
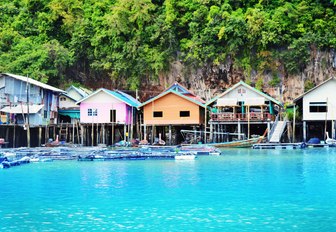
(253, 116)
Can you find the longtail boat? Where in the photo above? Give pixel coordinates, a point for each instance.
(238, 143)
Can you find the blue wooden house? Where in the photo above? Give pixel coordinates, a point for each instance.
(24, 100)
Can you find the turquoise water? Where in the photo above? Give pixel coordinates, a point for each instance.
(242, 190)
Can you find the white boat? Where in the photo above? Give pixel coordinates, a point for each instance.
(187, 156)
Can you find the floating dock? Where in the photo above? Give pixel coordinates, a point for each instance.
(279, 146)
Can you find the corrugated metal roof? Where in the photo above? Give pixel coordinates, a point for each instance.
(247, 86)
(33, 82)
(129, 100)
(19, 109)
(174, 92)
(324, 82)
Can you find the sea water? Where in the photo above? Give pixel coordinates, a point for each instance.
(241, 190)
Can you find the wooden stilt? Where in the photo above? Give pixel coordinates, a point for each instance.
(7, 133)
(82, 135)
(73, 132)
(14, 136)
(39, 136)
(103, 130)
(112, 134)
(170, 134)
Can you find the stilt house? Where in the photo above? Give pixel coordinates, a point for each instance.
(318, 109)
(24, 100)
(107, 116)
(68, 109)
(240, 112)
(175, 109)
(28, 107)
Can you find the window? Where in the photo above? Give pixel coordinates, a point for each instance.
(157, 114)
(62, 99)
(92, 112)
(318, 107)
(184, 113)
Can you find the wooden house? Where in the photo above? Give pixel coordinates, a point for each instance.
(176, 108)
(318, 110)
(24, 100)
(106, 108)
(27, 108)
(241, 111)
(68, 109)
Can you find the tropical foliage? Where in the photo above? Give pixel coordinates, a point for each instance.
(128, 40)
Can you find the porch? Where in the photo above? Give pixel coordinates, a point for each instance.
(252, 116)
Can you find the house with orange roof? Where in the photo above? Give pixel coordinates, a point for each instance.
(173, 110)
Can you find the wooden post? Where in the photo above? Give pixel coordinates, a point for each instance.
(98, 137)
(103, 133)
(304, 131)
(239, 130)
(211, 132)
(92, 134)
(294, 125)
(14, 135)
(73, 132)
(152, 140)
(268, 130)
(79, 137)
(7, 133)
(66, 132)
(112, 134)
(170, 134)
(248, 122)
(125, 133)
(205, 124)
(39, 136)
(82, 135)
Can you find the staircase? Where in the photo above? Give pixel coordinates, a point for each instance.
(277, 131)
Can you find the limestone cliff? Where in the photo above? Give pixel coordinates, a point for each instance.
(210, 80)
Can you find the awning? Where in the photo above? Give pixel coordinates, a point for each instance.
(227, 102)
(70, 113)
(254, 101)
(19, 109)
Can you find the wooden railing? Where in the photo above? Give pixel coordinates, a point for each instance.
(253, 116)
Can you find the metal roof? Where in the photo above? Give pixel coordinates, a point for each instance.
(324, 82)
(129, 100)
(33, 82)
(247, 86)
(22, 109)
(174, 92)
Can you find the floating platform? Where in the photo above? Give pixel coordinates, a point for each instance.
(279, 146)
(320, 145)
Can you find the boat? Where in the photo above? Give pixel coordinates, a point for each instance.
(185, 157)
(200, 149)
(238, 143)
(330, 141)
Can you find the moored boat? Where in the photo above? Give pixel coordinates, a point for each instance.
(238, 143)
(185, 156)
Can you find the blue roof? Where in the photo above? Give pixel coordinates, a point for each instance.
(124, 97)
(128, 99)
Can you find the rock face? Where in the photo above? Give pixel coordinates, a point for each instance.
(210, 80)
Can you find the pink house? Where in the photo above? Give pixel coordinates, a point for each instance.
(107, 106)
